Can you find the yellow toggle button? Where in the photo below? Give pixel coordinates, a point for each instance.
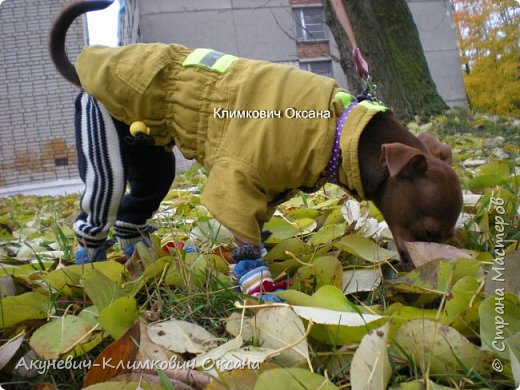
(139, 127)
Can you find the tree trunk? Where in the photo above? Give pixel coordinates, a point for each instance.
(389, 41)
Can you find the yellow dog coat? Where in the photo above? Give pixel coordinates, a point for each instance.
(261, 130)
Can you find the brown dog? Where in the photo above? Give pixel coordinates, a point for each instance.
(408, 178)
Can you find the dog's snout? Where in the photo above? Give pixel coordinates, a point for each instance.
(432, 236)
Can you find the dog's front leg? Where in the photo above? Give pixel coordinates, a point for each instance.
(252, 272)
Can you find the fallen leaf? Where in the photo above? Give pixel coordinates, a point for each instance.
(281, 229)
(210, 232)
(8, 350)
(357, 280)
(115, 359)
(513, 344)
(216, 353)
(61, 278)
(236, 325)
(463, 292)
(424, 252)
(328, 233)
(101, 290)
(59, 336)
(119, 316)
(333, 317)
(27, 306)
(505, 277)
(293, 379)
(499, 320)
(149, 351)
(371, 367)
(439, 350)
(280, 327)
(324, 270)
(181, 336)
(239, 379)
(293, 245)
(365, 248)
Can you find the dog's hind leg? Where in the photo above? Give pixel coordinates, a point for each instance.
(150, 173)
(101, 167)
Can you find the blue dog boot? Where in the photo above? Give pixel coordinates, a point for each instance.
(89, 255)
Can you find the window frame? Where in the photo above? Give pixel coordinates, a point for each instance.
(307, 65)
(302, 33)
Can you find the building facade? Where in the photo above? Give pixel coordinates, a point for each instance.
(36, 103)
(36, 110)
(287, 31)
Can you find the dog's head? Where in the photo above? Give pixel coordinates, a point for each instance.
(422, 197)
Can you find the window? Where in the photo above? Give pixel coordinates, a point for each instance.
(323, 68)
(310, 24)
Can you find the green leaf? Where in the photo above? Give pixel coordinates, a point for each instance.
(498, 168)
(325, 270)
(119, 316)
(513, 344)
(463, 292)
(302, 213)
(101, 290)
(430, 278)
(328, 233)
(435, 277)
(402, 314)
(293, 245)
(27, 306)
(59, 336)
(333, 305)
(71, 275)
(364, 248)
(280, 229)
(328, 297)
(434, 348)
(499, 320)
(90, 314)
(485, 181)
(419, 385)
(293, 379)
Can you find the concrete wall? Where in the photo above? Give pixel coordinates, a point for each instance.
(437, 33)
(36, 104)
(265, 30)
(245, 28)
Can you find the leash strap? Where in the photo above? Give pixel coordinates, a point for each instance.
(359, 61)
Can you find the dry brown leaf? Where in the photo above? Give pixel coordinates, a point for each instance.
(120, 354)
(424, 252)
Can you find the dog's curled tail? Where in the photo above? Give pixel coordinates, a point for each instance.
(59, 32)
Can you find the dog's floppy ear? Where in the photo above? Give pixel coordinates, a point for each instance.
(403, 160)
(440, 150)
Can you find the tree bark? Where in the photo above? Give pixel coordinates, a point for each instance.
(389, 41)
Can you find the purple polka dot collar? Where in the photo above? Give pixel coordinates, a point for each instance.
(332, 171)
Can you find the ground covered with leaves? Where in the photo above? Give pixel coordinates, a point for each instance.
(172, 318)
